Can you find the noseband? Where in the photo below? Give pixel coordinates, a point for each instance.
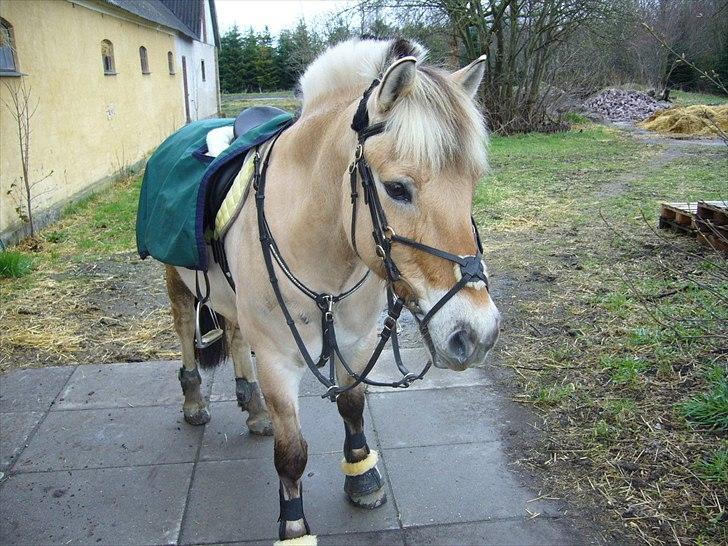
(471, 270)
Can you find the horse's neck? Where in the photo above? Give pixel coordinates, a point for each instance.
(304, 201)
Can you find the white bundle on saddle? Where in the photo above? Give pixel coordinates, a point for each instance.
(219, 139)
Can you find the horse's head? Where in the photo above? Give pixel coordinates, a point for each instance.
(424, 159)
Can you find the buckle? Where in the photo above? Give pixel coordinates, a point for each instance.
(380, 252)
(390, 323)
(389, 233)
(358, 153)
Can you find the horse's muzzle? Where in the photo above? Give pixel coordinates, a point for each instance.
(465, 348)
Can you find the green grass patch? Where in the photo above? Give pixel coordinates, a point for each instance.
(14, 264)
(685, 98)
(621, 410)
(103, 223)
(573, 117)
(710, 409)
(624, 369)
(539, 179)
(553, 395)
(232, 105)
(714, 467)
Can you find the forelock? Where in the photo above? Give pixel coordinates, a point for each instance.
(437, 124)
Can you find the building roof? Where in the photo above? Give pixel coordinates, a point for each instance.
(187, 12)
(184, 16)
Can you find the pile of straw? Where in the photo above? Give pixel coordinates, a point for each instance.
(690, 121)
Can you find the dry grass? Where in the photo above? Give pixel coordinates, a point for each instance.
(689, 121)
(88, 298)
(613, 328)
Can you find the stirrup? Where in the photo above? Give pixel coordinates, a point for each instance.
(202, 341)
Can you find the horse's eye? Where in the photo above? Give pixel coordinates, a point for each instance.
(398, 191)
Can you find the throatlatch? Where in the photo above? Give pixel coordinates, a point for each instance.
(471, 270)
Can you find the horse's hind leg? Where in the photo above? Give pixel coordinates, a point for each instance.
(247, 390)
(183, 314)
(363, 483)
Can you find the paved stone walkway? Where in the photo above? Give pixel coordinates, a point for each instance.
(102, 455)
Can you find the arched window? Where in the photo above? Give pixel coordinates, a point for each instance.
(170, 62)
(8, 60)
(202, 67)
(145, 61)
(107, 57)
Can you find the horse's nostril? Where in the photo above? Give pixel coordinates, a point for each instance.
(460, 346)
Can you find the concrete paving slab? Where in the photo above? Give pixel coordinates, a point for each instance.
(376, 538)
(385, 370)
(373, 538)
(111, 437)
(32, 389)
(521, 532)
(231, 500)
(224, 384)
(227, 438)
(124, 385)
(141, 505)
(435, 417)
(14, 431)
(435, 378)
(458, 483)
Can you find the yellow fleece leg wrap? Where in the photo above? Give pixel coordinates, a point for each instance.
(305, 540)
(359, 468)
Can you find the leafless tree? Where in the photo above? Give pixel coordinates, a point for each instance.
(521, 38)
(22, 107)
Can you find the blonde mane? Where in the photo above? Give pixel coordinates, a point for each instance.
(435, 124)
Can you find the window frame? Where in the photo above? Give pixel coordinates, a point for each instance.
(171, 64)
(112, 70)
(144, 60)
(202, 68)
(15, 70)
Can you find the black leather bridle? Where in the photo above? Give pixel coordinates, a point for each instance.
(471, 269)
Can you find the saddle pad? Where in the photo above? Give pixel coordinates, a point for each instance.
(173, 222)
(234, 199)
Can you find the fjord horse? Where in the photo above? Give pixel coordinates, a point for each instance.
(424, 163)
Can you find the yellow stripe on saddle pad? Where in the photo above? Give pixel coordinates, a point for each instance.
(233, 201)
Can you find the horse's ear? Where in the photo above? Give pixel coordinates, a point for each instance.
(470, 76)
(396, 82)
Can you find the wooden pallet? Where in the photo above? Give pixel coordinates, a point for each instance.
(711, 221)
(680, 216)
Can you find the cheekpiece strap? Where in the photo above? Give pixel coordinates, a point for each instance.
(361, 118)
(371, 130)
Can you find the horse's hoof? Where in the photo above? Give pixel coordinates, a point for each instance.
(370, 501)
(200, 417)
(366, 490)
(260, 425)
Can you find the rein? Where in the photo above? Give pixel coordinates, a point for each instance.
(471, 269)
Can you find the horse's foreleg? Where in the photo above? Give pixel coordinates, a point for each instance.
(183, 315)
(363, 483)
(247, 390)
(280, 388)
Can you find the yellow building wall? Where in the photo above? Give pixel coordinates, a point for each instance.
(88, 125)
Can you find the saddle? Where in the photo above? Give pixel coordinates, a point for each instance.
(185, 186)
